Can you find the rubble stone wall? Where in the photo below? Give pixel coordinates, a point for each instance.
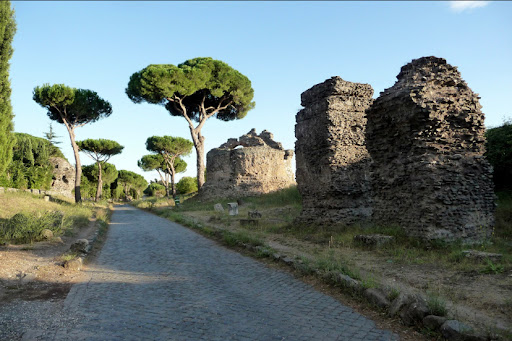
(63, 181)
(331, 158)
(425, 135)
(251, 165)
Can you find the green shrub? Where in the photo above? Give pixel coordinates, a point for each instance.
(26, 228)
(186, 185)
(155, 189)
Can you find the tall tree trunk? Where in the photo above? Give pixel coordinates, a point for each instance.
(78, 165)
(173, 172)
(198, 140)
(166, 183)
(100, 183)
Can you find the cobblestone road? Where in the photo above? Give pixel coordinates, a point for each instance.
(156, 280)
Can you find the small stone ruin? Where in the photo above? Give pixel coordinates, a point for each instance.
(63, 181)
(426, 138)
(250, 165)
(415, 160)
(331, 156)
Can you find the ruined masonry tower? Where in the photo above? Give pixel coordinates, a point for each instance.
(425, 135)
(250, 165)
(331, 156)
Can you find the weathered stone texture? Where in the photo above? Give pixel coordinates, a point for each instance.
(63, 177)
(425, 135)
(260, 166)
(331, 156)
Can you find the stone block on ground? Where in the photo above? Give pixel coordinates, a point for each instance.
(254, 214)
(81, 245)
(74, 264)
(377, 297)
(233, 208)
(414, 312)
(218, 207)
(398, 303)
(455, 330)
(433, 322)
(46, 234)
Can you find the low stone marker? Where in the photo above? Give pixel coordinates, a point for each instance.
(218, 208)
(254, 214)
(233, 208)
(46, 198)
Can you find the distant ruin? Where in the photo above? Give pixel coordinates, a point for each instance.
(63, 182)
(260, 166)
(425, 136)
(332, 160)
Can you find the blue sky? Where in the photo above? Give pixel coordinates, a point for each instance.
(283, 47)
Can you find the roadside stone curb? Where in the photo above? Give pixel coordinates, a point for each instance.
(83, 247)
(411, 309)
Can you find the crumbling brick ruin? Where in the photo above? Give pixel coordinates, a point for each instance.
(425, 136)
(331, 156)
(260, 166)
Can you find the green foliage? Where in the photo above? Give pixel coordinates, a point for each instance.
(132, 183)
(76, 107)
(499, 154)
(73, 108)
(26, 228)
(436, 305)
(155, 189)
(100, 150)
(7, 31)
(186, 185)
(89, 184)
(31, 167)
(194, 82)
(169, 146)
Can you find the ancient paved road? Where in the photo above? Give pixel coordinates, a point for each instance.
(156, 280)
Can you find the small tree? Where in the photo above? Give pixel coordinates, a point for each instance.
(157, 162)
(74, 108)
(170, 148)
(195, 90)
(51, 136)
(108, 176)
(131, 181)
(100, 150)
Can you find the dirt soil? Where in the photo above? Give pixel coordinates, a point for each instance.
(482, 300)
(35, 271)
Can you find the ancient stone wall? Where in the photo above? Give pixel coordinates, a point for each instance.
(63, 181)
(425, 135)
(331, 158)
(251, 165)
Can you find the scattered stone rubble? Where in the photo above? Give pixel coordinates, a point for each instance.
(425, 170)
(260, 166)
(331, 156)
